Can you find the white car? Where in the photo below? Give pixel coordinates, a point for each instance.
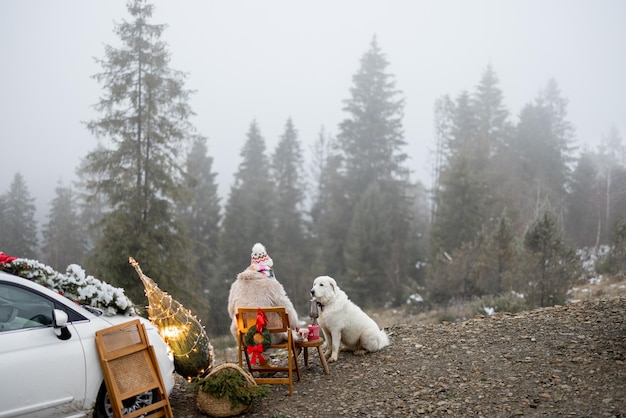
(49, 365)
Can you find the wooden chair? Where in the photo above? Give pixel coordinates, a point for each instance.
(130, 368)
(278, 323)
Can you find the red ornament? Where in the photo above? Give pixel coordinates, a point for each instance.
(256, 351)
(5, 259)
(261, 320)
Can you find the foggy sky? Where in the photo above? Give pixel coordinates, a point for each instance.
(271, 60)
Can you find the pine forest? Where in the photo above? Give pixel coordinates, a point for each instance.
(513, 209)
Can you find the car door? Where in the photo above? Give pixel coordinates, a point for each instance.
(40, 374)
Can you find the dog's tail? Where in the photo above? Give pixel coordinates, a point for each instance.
(383, 339)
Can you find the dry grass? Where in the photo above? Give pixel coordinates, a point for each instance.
(597, 288)
(463, 310)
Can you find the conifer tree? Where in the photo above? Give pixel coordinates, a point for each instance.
(320, 151)
(477, 129)
(618, 248)
(144, 128)
(63, 235)
(199, 212)
(371, 137)
(289, 243)
(491, 135)
(562, 130)
(91, 207)
(461, 193)
(551, 266)
(18, 228)
(491, 116)
(584, 220)
(375, 182)
(330, 215)
(612, 178)
(248, 218)
(542, 144)
(501, 255)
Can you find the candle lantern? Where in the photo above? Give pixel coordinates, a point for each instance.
(313, 313)
(314, 328)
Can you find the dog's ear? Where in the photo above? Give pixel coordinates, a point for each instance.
(333, 283)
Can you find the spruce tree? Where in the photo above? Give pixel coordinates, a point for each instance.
(18, 228)
(144, 128)
(461, 194)
(375, 180)
(551, 267)
(320, 151)
(199, 212)
(491, 116)
(460, 208)
(63, 234)
(501, 256)
(491, 136)
(91, 207)
(289, 243)
(612, 178)
(248, 215)
(542, 144)
(584, 218)
(248, 218)
(330, 217)
(371, 137)
(467, 186)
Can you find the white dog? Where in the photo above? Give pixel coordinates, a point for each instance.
(343, 322)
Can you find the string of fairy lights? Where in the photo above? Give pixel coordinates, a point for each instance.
(179, 327)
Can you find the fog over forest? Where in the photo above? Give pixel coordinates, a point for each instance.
(418, 152)
(268, 61)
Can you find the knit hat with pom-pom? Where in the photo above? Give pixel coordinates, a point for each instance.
(261, 261)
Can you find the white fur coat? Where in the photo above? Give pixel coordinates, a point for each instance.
(253, 290)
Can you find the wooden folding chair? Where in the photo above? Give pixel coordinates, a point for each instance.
(278, 322)
(130, 368)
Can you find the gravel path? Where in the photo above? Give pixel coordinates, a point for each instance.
(559, 361)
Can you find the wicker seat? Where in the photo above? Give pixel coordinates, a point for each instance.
(278, 323)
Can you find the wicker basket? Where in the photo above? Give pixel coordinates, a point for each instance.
(221, 407)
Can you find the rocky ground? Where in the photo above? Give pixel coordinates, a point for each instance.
(559, 361)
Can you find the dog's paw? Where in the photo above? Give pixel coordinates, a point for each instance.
(332, 359)
(359, 352)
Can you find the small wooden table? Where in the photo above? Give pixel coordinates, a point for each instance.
(310, 344)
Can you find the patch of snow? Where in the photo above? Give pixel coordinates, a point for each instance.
(595, 280)
(420, 264)
(590, 256)
(415, 297)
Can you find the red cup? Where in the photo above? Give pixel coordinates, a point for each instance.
(314, 332)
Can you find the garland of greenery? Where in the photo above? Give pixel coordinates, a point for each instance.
(251, 338)
(74, 284)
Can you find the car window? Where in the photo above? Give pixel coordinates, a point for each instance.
(21, 308)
